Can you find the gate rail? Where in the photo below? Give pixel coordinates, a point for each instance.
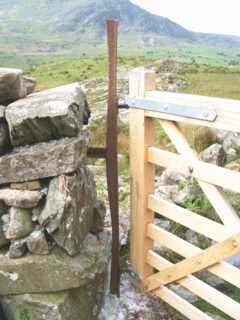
(147, 106)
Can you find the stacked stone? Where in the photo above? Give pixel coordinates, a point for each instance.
(54, 252)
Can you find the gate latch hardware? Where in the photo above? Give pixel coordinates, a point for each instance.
(173, 109)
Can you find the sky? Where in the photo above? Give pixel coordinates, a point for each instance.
(212, 16)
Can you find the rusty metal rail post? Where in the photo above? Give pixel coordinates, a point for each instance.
(112, 152)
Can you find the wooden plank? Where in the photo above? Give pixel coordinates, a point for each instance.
(142, 173)
(223, 269)
(219, 202)
(228, 110)
(181, 305)
(195, 263)
(200, 170)
(199, 288)
(189, 219)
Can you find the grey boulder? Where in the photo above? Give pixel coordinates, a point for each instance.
(17, 249)
(3, 239)
(47, 115)
(56, 271)
(20, 198)
(99, 214)
(83, 303)
(37, 242)
(30, 84)
(215, 154)
(43, 160)
(2, 112)
(20, 224)
(68, 212)
(12, 85)
(5, 144)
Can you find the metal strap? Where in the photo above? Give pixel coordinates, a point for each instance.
(173, 109)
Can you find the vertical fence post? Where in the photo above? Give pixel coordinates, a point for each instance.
(142, 172)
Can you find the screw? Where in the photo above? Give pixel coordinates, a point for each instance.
(235, 243)
(191, 169)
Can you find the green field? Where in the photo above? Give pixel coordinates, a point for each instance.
(202, 79)
(200, 55)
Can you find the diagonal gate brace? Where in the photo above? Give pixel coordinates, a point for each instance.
(198, 262)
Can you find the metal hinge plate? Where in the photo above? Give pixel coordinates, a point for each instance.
(173, 109)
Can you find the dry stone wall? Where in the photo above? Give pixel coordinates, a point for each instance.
(54, 252)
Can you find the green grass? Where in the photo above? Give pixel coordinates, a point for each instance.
(214, 84)
(201, 55)
(63, 71)
(37, 52)
(230, 291)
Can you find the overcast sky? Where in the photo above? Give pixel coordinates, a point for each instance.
(215, 16)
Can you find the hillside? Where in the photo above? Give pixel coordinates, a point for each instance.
(66, 25)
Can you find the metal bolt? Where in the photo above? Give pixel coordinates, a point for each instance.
(191, 169)
(206, 114)
(235, 243)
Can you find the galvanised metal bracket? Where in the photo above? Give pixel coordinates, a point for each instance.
(173, 109)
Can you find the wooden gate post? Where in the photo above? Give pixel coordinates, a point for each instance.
(142, 172)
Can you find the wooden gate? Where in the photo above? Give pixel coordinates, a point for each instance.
(154, 271)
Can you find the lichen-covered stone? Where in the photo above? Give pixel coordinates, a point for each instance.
(68, 212)
(56, 271)
(3, 208)
(5, 144)
(20, 224)
(83, 303)
(43, 160)
(5, 219)
(20, 198)
(47, 115)
(99, 214)
(17, 249)
(12, 86)
(2, 112)
(30, 83)
(215, 154)
(37, 242)
(3, 239)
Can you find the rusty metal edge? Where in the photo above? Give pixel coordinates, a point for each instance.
(97, 153)
(112, 152)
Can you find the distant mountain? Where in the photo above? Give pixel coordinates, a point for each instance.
(65, 22)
